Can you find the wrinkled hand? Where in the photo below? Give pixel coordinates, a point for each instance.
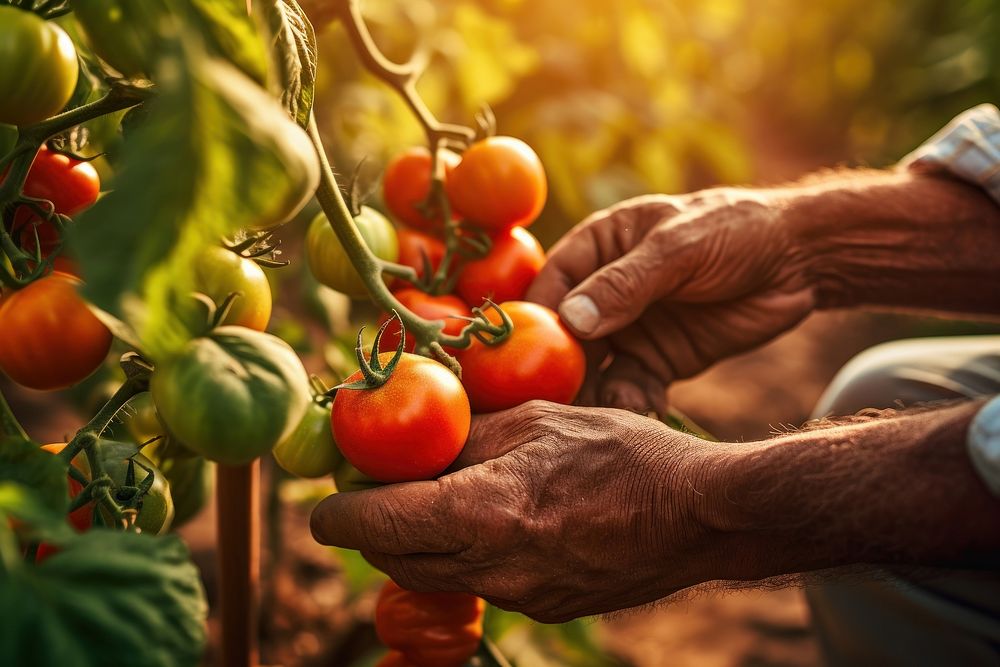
(554, 511)
(664, 286)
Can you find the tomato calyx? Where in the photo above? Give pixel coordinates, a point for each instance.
(484, 330)
(259, 246)
(373, 373)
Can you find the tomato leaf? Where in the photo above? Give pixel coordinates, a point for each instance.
(232, 34)
(42, 477)
(294, 54)
(106, 598)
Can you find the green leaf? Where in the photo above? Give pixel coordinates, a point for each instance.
(106, 598)
(40, 473)
(294, 55)
(216, 153)
(231, 33)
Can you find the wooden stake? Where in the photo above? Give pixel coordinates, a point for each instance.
(238, 533)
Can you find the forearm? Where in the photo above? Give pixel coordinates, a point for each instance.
(899, 240)
(887, 491)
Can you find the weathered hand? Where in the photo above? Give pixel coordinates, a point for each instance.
(556, 512)
(665, 286)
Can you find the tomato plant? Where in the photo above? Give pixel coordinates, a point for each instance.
(309, 451)
(410, 427)
(82, 517)
(429, 629)
(540, 360)
(49, 338)
(445, 308)
(419, 250)
(406, 186)
(328, 260)
(38, 67)
(506, 272)
(219, 272)
(156, 506)
(498, 184)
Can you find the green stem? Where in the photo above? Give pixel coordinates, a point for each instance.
(9, 426)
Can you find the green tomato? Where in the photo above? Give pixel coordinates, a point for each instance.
(38, 67)
(156, 512)
(348, 478)
(231, 395)
(310, 450)
(329, 261)
(219, 272)
(190, 479)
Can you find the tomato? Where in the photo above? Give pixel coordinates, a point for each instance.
(414, 246)
(506, 273)
(231, 395)
(156, 510)
(329, 261)
(430, 629)
(428, 307)
(407, 183)
(348, 478)
(394, 659)
(39, 67)
(71, 185)
(190, 479)
(310, 450)
(218, 272)
(412, 427)
(540, 360)
(49, 338)
(498, 184)
(82, 517)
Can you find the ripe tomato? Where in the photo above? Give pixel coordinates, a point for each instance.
(506, 273)
(428, 307)
(82, 517)
(310, 450)
(231, 395)
(156, 512)
(39, 67)
(540, 360)
(71, 185)
(498, 184)
(414, 246)
(49, 339)
(219, 272)
(412, 427)
(430, 629)
(407, 182)
(330, 263)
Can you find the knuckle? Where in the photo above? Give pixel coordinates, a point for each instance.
(620, 282)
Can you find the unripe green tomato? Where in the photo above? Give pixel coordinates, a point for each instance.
(219, 272)
(328, 260)
(190, 479)
(310, 450)
(348, 478)
(38, 67)
(116, 31)
(231, 395)
(157, 512)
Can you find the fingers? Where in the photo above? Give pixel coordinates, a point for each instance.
(568, 262)
(414, 517)
(627, 384)
(422, 573)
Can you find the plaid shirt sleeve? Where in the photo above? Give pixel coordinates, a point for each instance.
(969, 148)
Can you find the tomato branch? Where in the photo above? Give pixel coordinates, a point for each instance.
(9, 426)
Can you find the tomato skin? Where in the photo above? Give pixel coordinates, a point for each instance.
(309, 451)
(39, 70)
(429, 629)
(328, 260)
(498, 184)
(218, 272)
(410, 428)
(49, 339)
(190, 479)
(407, 183)
(231, 395)
(428, 307)
(414, 245)
(506, 273)
(71, 185)
(540, 360)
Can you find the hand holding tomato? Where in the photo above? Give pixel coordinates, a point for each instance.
(554, 511)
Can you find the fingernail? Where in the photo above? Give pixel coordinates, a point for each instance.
(580, 313)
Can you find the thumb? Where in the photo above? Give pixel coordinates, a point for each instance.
(616, 295)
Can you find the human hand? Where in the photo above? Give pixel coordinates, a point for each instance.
(553, 511)
(664, 286)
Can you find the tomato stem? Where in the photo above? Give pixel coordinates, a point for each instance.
(9, 426)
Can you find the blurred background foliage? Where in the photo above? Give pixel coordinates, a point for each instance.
(634, 96)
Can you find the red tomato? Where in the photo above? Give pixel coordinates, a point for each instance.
(407, 182)
(429, 629)
(410, 428)
(49, 338)
(81, 518)
(414, 245)
(71, 185)
(540, 360)
(498, 184)
(506, 273)
(428, 307)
